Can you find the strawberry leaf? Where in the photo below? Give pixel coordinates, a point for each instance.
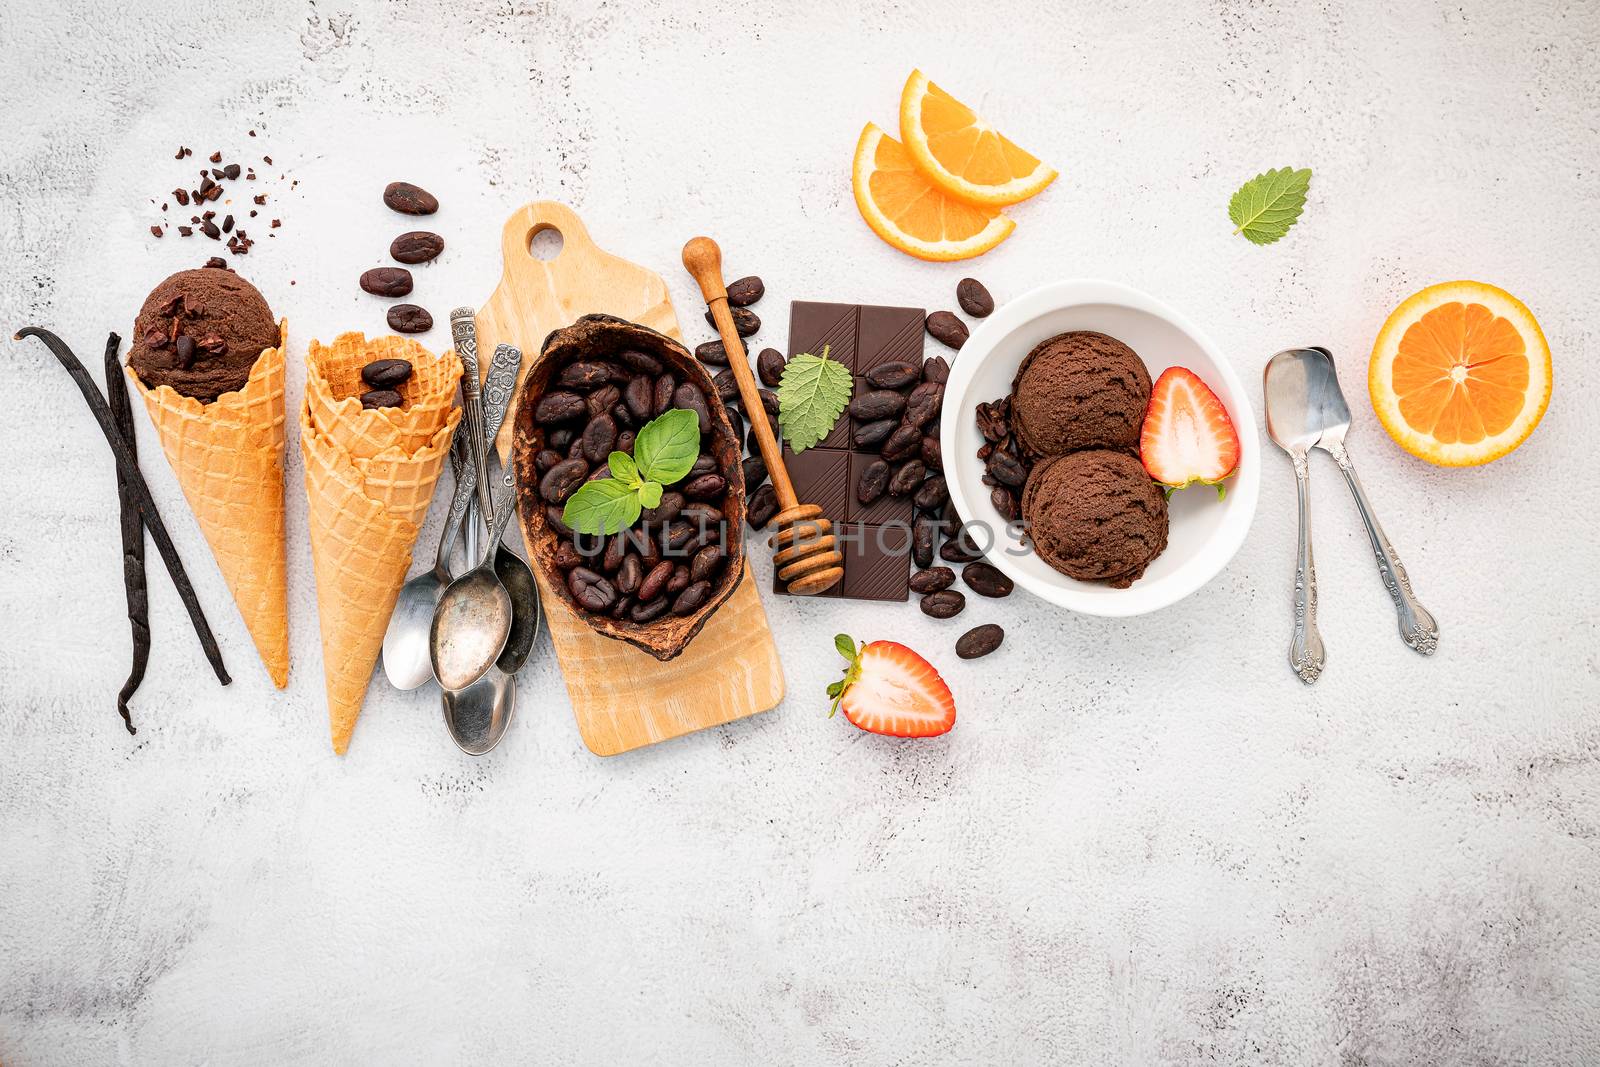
(846, 646)
(1267, 205)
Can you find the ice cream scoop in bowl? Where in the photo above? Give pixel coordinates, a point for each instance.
(1202, 533)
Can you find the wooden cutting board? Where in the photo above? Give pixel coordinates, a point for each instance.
(622, 698)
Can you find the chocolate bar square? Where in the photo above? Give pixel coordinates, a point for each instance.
(814, 325)
(887, 334)
(877, 560)
(821, 476)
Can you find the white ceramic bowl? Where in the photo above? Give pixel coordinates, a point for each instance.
(1205, 532)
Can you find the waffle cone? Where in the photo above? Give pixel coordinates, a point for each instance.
(228, 456)
(365, 512)
(334, 388)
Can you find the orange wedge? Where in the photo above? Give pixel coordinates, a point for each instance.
(1460, 374)
(961, 153)
(909, 212)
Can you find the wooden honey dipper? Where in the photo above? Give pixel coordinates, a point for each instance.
(805, 556)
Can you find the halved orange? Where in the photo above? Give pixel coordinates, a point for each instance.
(961, 153)
(1460, 374)
(911, 213)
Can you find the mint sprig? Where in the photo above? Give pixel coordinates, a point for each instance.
(663, 451)
(812, 394)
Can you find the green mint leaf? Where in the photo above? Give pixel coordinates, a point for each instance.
(623, 468)
(650, 494)
(846, 647)
(602, 506)
(1267, 205)
(666, 447)
(812, 394)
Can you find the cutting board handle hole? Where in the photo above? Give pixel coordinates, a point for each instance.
(545, 242)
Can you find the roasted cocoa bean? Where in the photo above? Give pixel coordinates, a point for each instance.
(905, 442)
(553, 519)
(932, 580)
(974, 298)
(867, 434)
(692, 598)
(654, 583)
(560, 438)
(1005, 502)
(567, 556)
(640, 362)
(639, 397)
(705, 563)
(616, 551)
(742, 292)
(735, 422)
(662, 400)
(726, 385)
(877, 404)
(932, 453)
(769, 365)
(546, 458)
(380, 398)
(936, 369)
(705, 487)
(583, 375)
(703, 464)
(745, 321)
(898, 374)
(590, 546)
(923, 405)
(602, 471)
(944, 604)
(932, 493)
(678, 534)
(874, 482)
(755, 472)
(713, 353)
(923, 536)
(626, 420)
(554, 408)
(599, 438)
(409, 318)
(906, 478)
(386, 281)
(417, 246)
(649, 610)
(703, 515)
(592, 592)
(409, 199)
(763, 505)
(689, 397)
(386, 373)
(960, 549)
(669, 508)
(1007, 469)
(980, 640)
(679, 580)
(623, 605)
(562, 480)
(601, 401)
(986, 579)
(948, 330)
(769, 403)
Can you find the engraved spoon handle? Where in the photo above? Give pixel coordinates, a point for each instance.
(1417, 627)
(1306, 652)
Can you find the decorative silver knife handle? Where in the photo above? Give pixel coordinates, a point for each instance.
(1306, 653)
(1417, 627)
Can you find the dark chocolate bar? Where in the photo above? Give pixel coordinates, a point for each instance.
(875, 539)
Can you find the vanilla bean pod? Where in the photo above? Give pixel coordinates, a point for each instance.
(129, 469)
(133, 573)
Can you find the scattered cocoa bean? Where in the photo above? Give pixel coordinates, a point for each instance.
(1007, 469)
(932, 580)
(417, 246)
(986, 579)
(905, 442)
(867, 434)
(935, 369)
(898, 374)
(409, 199)
(409, 318)
(944, 604)
(745, 321)
(948, 330)
(932, 493)
(769, 365)
(712, 352)
(974, 298)
(980, 641)
(742, 292)
(386, 281)
(874, 482)
(923, 405)
(877, 404)
(906, 478)
(762, 507)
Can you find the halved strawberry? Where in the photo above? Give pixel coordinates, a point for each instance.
(1187, 435)
(889, 689)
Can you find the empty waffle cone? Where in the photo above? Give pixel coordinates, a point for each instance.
(365, 512)
(228, 457)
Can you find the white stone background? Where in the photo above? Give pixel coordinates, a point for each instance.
(1144, 841)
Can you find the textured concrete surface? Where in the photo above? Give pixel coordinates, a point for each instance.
(1144, 842)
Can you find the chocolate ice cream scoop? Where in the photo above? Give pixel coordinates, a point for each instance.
(1095, 516)
(201, 331)
(1080, 390)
